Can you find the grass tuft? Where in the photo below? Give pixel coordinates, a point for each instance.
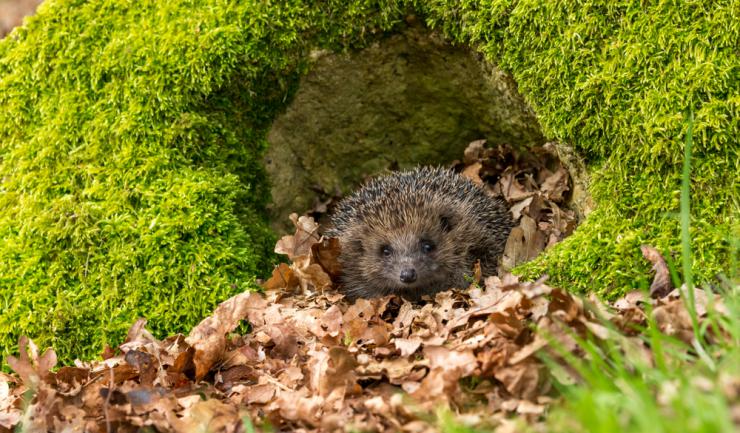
(674, 386)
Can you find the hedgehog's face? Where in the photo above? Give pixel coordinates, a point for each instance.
(408, 261)
(418, 256)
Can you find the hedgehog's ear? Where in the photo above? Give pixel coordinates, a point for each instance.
(447, 222)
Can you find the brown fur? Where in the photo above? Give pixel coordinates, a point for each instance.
(406, 212)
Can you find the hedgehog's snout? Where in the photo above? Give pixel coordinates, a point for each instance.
(408, 276)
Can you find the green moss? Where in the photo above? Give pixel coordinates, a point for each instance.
(614, 78)
(131, 135)
(131, 138)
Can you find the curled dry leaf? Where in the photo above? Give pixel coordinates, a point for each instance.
(327, 253)
(472, 172)
(474, 152)
(282, 277)
(31, 367)
(299, 244)
(208, 338)
(555, 185)
(209, 416)
(661, 284)
(407, 346)
(314, 261)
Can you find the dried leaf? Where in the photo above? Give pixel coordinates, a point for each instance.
(512, 189)
(407, 346)
(283, 278)
(662, 284)
(210, 416)
(555, 185)
(327, 255)
(208, 338)
(525, 243)
(300, 243)
(31, 367)
(521, 380)
(472, 172)
(473, 152)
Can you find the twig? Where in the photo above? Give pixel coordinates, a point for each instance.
(107, 401)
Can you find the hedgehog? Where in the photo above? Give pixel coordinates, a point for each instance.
(416, 233)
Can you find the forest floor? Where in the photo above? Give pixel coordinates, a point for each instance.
(500, 355)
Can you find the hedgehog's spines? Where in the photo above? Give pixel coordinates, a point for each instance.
(402, 209)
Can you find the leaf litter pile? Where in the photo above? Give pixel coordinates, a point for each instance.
(311, 361)
(534, 184)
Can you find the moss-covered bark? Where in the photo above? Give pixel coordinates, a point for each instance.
(131, 135)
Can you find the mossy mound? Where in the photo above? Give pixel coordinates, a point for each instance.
(617, 81)
(131, 136)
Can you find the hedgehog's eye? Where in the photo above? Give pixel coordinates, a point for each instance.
(427, 247)
(386, 250)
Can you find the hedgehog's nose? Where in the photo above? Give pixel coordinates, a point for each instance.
(408, 275)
